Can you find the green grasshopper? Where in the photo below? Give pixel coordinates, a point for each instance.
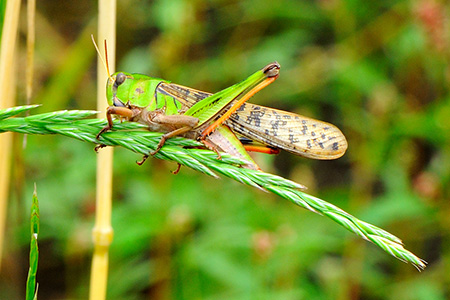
(181, 111)
(162, 113)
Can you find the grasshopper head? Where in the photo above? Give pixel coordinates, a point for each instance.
(125, 89)
(118, 88)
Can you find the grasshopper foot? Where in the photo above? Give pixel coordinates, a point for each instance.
(98, 147)
(177, 170)
(104, 129)
(144, 158)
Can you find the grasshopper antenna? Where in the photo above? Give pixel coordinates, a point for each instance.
(105, 62)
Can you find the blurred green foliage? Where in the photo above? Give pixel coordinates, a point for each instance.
(377, 69)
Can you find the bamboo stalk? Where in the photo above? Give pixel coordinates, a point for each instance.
(103, 232)
(7, 94)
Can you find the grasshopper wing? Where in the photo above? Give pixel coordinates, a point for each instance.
(276, 128)
(288, 131)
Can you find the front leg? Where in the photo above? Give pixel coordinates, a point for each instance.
(114, 110)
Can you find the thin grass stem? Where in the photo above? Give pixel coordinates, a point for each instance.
(133, 137)
(31, 290)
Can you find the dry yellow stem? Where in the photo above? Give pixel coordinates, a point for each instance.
(103, 232)
(7, 94)
(31, 11)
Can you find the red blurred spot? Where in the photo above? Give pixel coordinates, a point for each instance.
(432, 18)
(427, 185)
(263, 244)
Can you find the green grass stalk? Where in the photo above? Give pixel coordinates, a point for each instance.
(133, 137)
(31, 292)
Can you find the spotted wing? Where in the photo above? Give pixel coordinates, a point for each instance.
(288, 131)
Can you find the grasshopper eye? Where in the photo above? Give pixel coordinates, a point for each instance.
(120, 78)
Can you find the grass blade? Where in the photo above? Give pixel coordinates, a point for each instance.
(132, 137)
(31, 292)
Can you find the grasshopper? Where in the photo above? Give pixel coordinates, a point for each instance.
(163, 113)
(213, 119)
